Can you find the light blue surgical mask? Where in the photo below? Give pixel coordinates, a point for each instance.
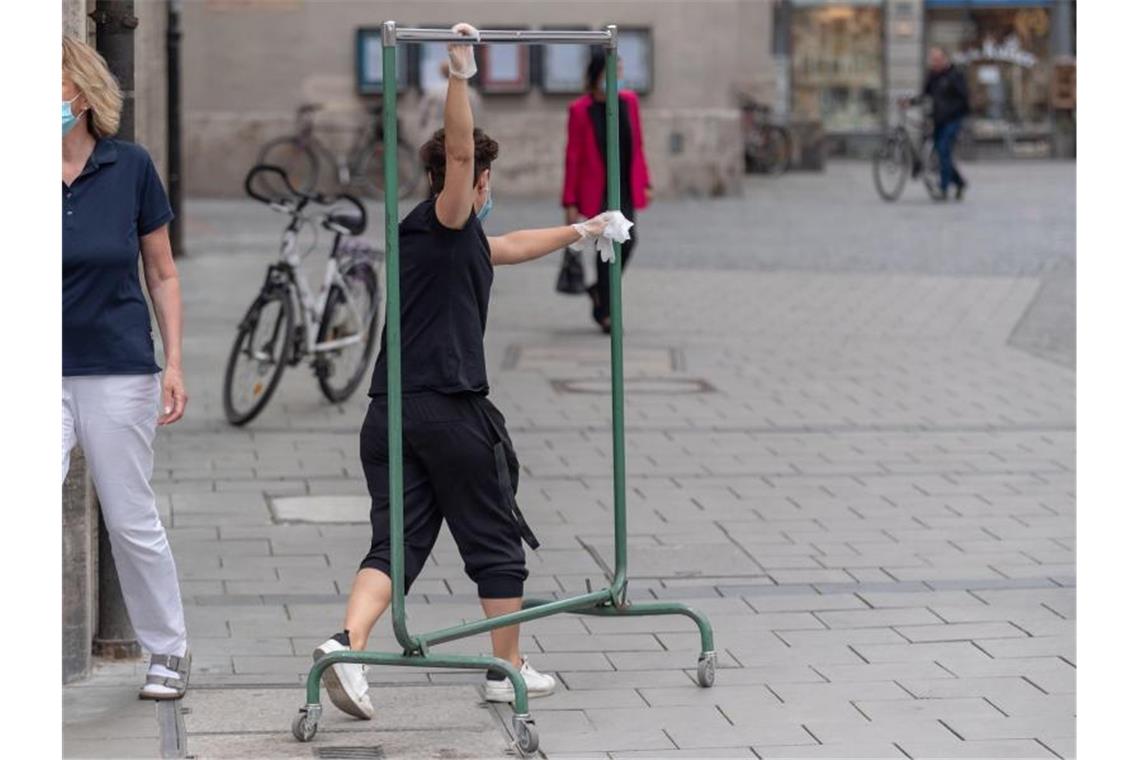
(485, 210)
(69, 119)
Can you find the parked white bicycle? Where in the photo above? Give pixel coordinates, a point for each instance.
(337, 326)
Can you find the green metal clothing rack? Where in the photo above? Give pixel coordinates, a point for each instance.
(609, 601)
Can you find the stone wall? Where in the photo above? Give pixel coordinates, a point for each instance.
(249, 63)
(689, 151)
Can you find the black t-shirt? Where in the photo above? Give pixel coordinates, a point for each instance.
(625, 150)
(445, 286)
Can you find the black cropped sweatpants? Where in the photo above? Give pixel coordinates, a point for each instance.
(459, 468)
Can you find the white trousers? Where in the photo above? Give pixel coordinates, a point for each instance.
(114, 418)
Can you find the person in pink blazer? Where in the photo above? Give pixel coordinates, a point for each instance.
(584, 186)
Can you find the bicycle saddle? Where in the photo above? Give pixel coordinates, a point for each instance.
(350, 219)
(348, 222)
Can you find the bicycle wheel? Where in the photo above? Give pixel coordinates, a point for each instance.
(371, 170)
(355, 313)
(755, 151)
(296, 158)
(931, 171)
(258, 357)
(890, 166)
(779, 153)
(407, 170)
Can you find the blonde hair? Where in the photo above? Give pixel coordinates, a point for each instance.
(90, 74)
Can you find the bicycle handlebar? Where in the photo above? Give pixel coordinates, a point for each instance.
(277, 170)
(295, 200)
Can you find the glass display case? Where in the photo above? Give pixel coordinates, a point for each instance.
(837, 65)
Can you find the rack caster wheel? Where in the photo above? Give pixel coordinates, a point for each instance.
(305, 723)
(706, 669)
(526, 735)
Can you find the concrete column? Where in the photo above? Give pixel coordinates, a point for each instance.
(75, 21)
(1062, 40)
(904, 53)
(80, 516)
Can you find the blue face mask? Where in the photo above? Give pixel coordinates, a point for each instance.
(485, 210)
(69, 119)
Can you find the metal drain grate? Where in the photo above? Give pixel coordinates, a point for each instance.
(348, 753)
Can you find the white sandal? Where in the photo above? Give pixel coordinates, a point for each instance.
(167, 687)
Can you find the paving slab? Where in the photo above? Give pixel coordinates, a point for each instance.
(877, 474)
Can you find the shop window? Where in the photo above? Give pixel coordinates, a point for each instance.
(837, 65)
(563, 67)
(503, 69)
(431, 58)
(635, 48)
(1005, 55)
(369, 63)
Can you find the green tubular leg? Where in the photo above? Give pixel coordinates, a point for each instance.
(617, 363)
(395, 390)
(533, 612)
(640, 609)
(453, 661)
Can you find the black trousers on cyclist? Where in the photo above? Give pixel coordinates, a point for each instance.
(460, 468)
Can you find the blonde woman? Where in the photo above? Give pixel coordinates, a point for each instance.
(114, 395)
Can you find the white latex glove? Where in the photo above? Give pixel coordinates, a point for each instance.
(592, 227)
(461, 57)
(601, 232)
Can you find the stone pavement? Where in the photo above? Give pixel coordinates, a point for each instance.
(848, 466)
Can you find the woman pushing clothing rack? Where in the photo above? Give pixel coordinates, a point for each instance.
(459, 465)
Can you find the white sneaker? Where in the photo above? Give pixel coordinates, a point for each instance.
(347, 684)
(537, 685)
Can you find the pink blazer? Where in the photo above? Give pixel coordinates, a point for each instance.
(585, 178)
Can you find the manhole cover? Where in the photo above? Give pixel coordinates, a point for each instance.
(642, 386)
(347, 753)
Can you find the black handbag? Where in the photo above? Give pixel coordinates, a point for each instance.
(571, 277)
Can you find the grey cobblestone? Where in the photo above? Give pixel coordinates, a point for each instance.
(876, 475)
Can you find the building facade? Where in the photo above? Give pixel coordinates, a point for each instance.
(248, 64)
(845, 63)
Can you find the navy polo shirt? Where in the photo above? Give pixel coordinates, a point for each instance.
(116, 200)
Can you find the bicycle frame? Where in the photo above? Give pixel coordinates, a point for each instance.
(609, 601)
(308, 306)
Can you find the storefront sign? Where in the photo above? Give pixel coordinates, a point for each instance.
(1009, 51)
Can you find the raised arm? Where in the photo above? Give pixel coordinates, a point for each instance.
(453, 206)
